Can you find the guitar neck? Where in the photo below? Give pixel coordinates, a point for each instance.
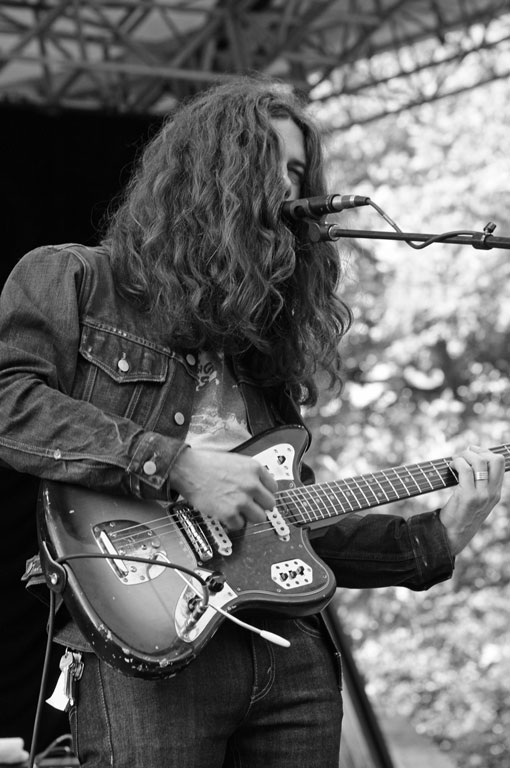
(320, 504)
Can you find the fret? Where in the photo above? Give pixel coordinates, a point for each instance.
(383, 492)
(333, 499)
(376, 499)
(355, 480)
(412, 477)
(350, 493)
(305, 503)
(302, 501)
(437, 473)
(427, 479)
(395, 494)
(338, 485)
(288, 506)
(448, 476)
(305, 494)
(395, 471)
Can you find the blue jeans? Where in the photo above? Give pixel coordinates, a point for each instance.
(241, 703)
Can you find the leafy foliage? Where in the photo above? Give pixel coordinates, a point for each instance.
(427, 370)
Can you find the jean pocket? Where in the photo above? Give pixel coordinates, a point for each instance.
(311, 625)
(314, 627)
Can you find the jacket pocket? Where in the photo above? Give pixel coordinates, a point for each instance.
(121, 374)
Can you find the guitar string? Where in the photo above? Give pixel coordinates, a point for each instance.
(296, 508)
(301, 492)
(324, 492)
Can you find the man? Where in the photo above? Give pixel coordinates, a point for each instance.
(135, 367)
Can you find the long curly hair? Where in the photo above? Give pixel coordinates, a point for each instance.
(199, 240)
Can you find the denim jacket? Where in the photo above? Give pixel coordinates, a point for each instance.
(91, 392)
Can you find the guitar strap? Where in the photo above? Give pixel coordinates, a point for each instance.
(35, 582)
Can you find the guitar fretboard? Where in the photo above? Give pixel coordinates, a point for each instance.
(323, 501)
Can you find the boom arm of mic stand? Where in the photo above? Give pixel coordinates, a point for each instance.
(321, 231)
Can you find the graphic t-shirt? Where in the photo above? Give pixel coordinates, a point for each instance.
(219, 414)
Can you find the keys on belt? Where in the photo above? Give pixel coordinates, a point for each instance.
(71, 669)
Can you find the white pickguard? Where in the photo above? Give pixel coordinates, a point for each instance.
(279, 460)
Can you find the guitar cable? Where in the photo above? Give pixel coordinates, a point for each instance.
(206, 583)
(269, 636)
(44, 680)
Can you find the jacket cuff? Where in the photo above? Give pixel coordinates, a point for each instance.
(385, 550)
(151, 464)
(433, 556)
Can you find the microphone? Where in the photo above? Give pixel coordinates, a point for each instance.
(316, 207)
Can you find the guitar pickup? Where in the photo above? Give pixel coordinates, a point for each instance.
(218, 536)
(281, 528)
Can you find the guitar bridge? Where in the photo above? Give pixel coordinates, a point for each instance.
(123, 538)
(190, 526)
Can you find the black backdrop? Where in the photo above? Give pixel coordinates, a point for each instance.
(59, 172)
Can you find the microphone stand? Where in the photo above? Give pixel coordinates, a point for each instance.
(322, 230)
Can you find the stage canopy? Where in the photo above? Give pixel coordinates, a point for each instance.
(141, 56)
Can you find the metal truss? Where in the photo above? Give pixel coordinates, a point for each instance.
(418, 60)
(141, 56)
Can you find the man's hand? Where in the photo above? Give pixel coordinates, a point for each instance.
(230, 487)
(474, 497)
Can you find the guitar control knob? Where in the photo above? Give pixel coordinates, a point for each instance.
(215, 582)
(193, 603)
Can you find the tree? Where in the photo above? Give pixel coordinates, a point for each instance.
(427, 372)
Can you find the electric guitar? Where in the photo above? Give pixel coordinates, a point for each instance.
(149, 583)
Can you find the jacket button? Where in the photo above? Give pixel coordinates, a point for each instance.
(123, 365)
(191, 359)
(179, 418)
(149, 468)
